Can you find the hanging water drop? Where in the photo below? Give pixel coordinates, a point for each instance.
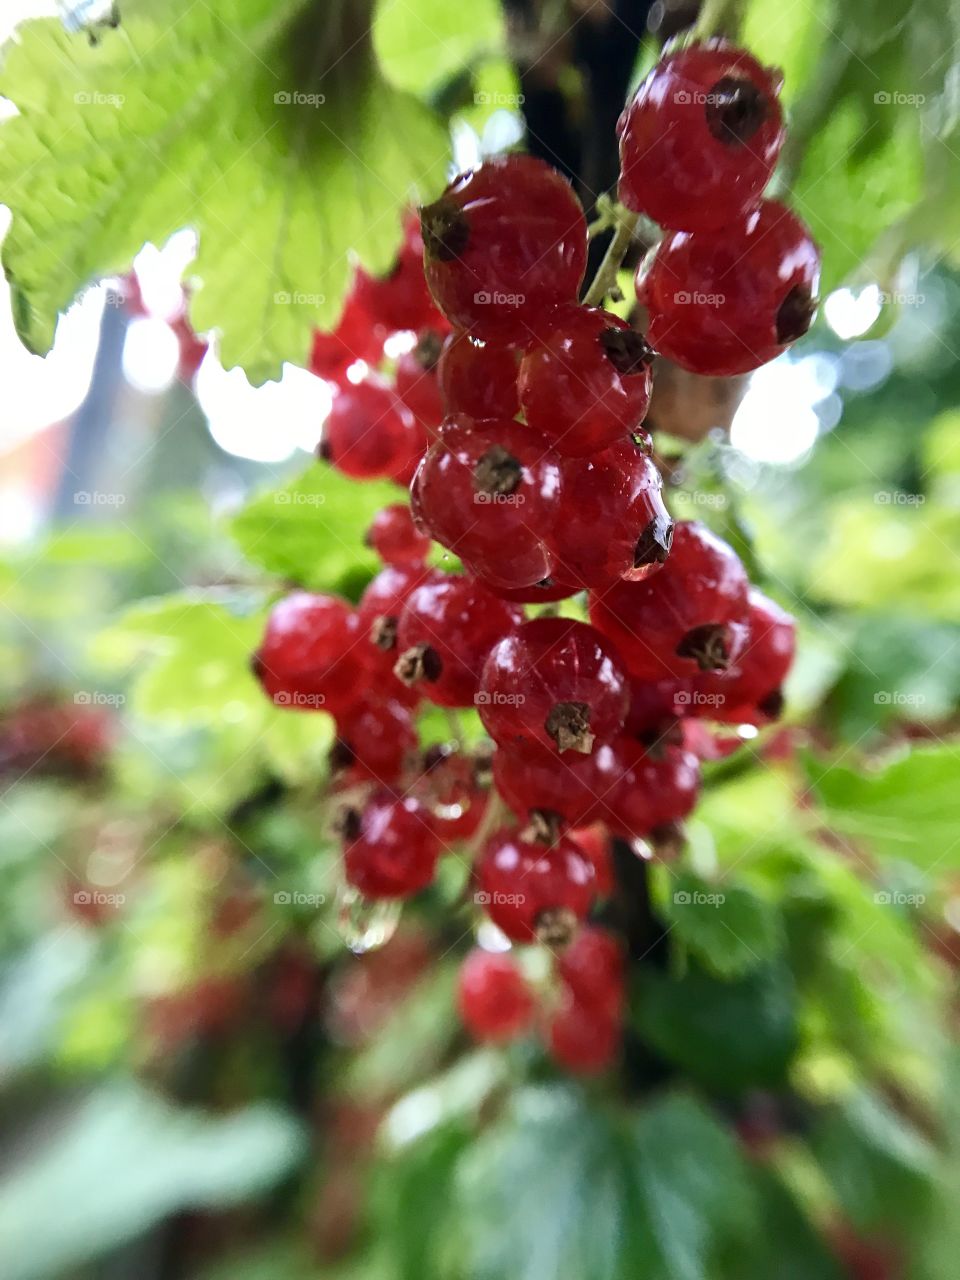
(365, 925)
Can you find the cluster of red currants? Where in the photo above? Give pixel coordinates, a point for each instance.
(517, 420)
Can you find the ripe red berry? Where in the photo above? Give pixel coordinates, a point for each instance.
(572, 786)
(750, 691)
(503, 242)
(374, 740)
(657, 787)
(400, 299)
(583, 1039)
(585, 381)
(699, 141)
(614, 522)
(418, 385)
(447, 627)
(531, 889)
(592, 968)
(656, 706)
(494, 999)
(478, 378)
(390, 848)
(395, 538)
(689, 616)
(490, 492)
(378, 612)
(726, 302)
(369, 433)
(553, 684)
(311, 654)
(543, 592)
(357, 337)
(595, 843)
(450, 788)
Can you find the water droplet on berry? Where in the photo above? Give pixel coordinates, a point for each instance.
(363, 924)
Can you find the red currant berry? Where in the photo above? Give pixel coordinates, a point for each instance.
(400, 299)
(495, 1001)
(374, 741)
(356, 337)
(447, 627)
(534, 890)
(573, 787)
(689, 616)
(417, 383)
(490, 492)
(726, 302)
(394, 537)
(699, 141)
(502, 243)
(390, 847)
(370, 434)
(595, 843)
(378, 612)
(592, 968)
(585, 382)
(554, 684)
(656, 706)
(544, 592)
(750, 691)
(614, 523)
(478, 378)
(583, 1039)
(450, 789)
(657, 787)
(311, 655)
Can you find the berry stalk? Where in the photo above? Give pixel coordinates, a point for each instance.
(606, 277)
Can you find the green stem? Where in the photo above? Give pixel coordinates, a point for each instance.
(606, 277)
(719, 18)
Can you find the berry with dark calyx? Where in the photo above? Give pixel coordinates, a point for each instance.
(357, 337)
(688, 617)
(585, 381)
(573, 786)
(450, 788)
(447, 627)
(750, 692)
(490, 492)
(553, 684)
(531, 889)
(375, 737)
(311, 656)
(504, 242)
(395, 538)
(584, 1039)
(592, 968)
(494, 1000)
(390, 847)
(726, 302)
(546, 592)
(700, 138)
(478, 378)
(657, 787)
(369, 433)
(614, 522)
(417, 383)
(379, 608)
(400, 299)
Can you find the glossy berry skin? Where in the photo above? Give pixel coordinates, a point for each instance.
(491, 493)
(449, 789)
(573, 786)
(750, 691)
(614, 523)
(700, 138)
(585, 381)
(726, 302)
(504, 242)
(379, 608)
(526, 886)
(544, 592)
(493, 997)
(656, 788)
(389, 847)
(583, 1040)
(478, 378)
(447, 627)
(554, 685)
(689, 616)
(417, 384)
(395, 538)
(357, 337)
(370, 434)
(400, 299)
(657, 705)
(375, 737)
(592, 969)
(311, 654)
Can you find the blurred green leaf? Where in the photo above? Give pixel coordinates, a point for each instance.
(422, 44)
(729, 928)
(787, 1246)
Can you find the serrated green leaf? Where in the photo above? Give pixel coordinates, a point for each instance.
(421, 43)
(728, 927)
(265, 126)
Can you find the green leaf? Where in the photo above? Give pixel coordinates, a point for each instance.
(574, 1192)
(311, 530)
(729, 928)
(788, 1247)
(264, 125)
(421, 43)
(125, 1159)
(908, 809)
